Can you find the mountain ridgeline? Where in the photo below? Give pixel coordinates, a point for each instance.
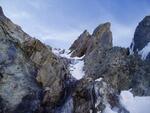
(35, 80)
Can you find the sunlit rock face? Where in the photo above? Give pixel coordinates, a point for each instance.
(141, 40)
(51, 73)
(86, 43)
(80, 46)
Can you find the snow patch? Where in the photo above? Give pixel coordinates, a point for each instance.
(98, 80)
(135, 104)
(61, 52)
(108, 109)
(77, 64)
(76, 69)
(132, 104)
(145, 51)
(131, 48)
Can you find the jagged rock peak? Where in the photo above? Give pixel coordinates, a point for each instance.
(101, 37)
(1, 12)
(86, 32)
(76, 42)
(102, 27)
(80, 45)
(141, 40)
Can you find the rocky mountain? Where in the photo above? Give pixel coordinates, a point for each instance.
(141, 40)
(90, 78)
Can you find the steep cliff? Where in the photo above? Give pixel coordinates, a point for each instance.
(141, 41)
(31, 75)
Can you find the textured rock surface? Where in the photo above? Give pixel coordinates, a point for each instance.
(17, 72)
(80, 46)
(112, 63)
(52, 72)
(103, 36)
(30, 74)
(86, 43)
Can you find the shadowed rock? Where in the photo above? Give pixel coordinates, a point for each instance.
(142, 34)
(142, 38)
(1, 12)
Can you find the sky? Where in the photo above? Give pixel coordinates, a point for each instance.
(59, 22)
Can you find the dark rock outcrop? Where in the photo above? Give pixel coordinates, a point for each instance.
(142, 36)
(1, 12)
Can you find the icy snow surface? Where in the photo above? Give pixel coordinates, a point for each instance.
(77, 64)
(131, 48)
(145, 51)
(109, 110)
(132, 104)
(135, 104)
(76, 68)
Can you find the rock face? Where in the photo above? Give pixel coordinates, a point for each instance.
(30, 74)
(52, 73)
(142, 38)
(80, 46)
(101, 36)
(17, 81)
(118, 68)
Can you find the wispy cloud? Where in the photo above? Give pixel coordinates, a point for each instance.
(56, 21)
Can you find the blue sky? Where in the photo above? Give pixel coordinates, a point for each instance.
(59, 22)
